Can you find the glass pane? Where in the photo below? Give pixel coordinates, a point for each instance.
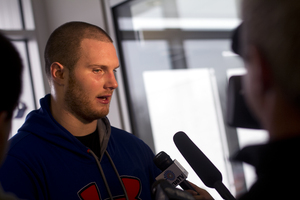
(207, 9)
(184, 99)
(10, 15)
(182, 14)
(175, 55)
(27, 94)
(148, 59)
(203, 53)
(28, 15)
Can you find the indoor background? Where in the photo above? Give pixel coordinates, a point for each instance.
(175, 63)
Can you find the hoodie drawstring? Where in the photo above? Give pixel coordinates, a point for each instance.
(103, 175)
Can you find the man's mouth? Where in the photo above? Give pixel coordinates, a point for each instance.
(103, 98)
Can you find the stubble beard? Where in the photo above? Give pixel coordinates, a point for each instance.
(79, 104)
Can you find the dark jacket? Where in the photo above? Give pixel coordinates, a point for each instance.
(277, 167)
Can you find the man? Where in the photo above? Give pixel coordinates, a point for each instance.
(10, 83)
(67, 148)
(270, 37)
(270, 48)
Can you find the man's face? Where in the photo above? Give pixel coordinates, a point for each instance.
(92, 81)
(252, 82)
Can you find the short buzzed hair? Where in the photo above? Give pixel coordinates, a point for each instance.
(273, 27)
(11, 79)
(64, 43)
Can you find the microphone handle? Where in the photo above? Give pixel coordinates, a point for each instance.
(186, 186)
(223, 191)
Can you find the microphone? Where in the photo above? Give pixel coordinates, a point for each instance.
(164, 190)
(172, 171)
(203, 167)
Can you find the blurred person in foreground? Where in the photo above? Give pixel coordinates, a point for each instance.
(270, 47)
(10, 84)
(269, 43)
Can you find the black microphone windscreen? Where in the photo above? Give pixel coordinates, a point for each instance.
(162, 160)
(203, 167)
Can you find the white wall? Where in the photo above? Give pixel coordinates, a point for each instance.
(61, 11)
(49, 14)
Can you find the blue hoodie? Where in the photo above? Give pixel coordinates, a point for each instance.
(45, 161)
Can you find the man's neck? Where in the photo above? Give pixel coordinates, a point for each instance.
(70, 122)
(282, 119)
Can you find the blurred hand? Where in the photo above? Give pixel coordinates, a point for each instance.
(201, 195)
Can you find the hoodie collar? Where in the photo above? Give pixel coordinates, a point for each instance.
(47, 128)
(104, 131)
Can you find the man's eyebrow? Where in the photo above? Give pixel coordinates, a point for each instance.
(102, 66)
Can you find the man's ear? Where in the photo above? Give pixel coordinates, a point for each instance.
(58, 73)
(262, 69)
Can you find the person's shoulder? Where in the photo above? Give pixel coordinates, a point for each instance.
(127, 138)
(21, 138)
(122, 134)
(130, 143)
(24, 143)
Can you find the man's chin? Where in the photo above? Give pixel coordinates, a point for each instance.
(97, 114)
(103, 114)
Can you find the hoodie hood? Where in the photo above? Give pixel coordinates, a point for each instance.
(56, 134)
(45, 161)
(104, 130)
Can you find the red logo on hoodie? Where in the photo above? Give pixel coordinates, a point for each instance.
(132, 186)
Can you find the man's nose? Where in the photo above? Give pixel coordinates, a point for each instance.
(111, 81)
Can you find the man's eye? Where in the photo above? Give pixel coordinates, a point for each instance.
(96, 70)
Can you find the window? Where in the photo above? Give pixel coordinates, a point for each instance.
(176, 57)
(17, 23)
